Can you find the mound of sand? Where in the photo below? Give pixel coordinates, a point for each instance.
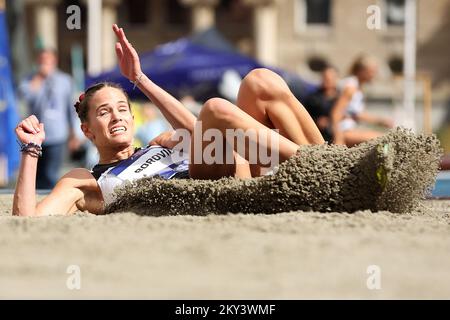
(390, 173)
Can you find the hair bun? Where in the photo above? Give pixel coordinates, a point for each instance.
(77, 105)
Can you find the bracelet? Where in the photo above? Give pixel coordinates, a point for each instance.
(138, 80)
(33, 149)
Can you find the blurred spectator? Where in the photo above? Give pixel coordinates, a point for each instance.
(153, 124)
(350, 109)
(191, 104)
(48, 94)
(229, 85)
(321, 101)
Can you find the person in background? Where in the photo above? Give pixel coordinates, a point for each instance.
(321, 101)
(48, 94)
(349, 109)
(191, 104)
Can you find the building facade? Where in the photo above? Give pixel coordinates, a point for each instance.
(299, 35)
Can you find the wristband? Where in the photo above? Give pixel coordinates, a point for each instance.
(138, 79)
(33, 149)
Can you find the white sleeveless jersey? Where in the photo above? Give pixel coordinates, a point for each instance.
(147, 162)
(356, 104)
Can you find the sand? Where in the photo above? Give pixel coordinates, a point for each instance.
(290, 255)
(202, 252)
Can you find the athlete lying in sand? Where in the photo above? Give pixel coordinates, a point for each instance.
(264, 103)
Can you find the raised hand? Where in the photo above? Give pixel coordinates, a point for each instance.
(30, 130)
(127, 56)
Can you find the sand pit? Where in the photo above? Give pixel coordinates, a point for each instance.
(278, 256)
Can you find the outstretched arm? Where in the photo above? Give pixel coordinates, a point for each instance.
(172, 109)
(373, 119)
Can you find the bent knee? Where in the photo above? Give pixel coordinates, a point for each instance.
(265, 84)
(261, 74)
(216, 109)
(261, 78)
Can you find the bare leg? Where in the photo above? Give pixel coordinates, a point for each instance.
(220, 114)
(266, 97)
(265, 102)
(357, 136)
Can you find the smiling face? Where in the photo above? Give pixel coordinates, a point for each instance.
(109, 119)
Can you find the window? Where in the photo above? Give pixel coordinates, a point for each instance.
(177, 15)
(312, 14)
(317, 11)
(317, 63)
(396, 64)
(137, 11)
(395, 12)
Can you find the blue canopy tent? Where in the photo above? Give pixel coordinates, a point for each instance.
(9, 154)
(193, 66)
